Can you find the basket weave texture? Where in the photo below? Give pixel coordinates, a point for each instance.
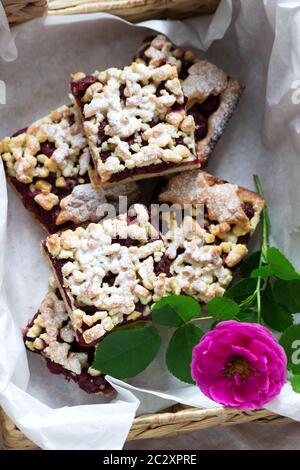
(18, 11)
(177, 419)
(133, 10)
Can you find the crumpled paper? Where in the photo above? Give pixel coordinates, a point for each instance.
(256, 42)
(8, 50)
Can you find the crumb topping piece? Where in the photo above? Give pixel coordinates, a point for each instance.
(52, 333)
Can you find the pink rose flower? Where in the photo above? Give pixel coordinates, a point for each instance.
(239, 365)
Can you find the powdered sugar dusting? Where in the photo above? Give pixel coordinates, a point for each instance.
(203, 80)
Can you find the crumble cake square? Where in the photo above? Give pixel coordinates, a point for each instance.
(106, 272)
(51, 334)
(135, 122)
(204, 257)
(47, 164)
(210, 95)
(112, 272)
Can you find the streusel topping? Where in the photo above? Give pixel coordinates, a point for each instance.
(211, 96)
(232, 210)
(197, 267)
(95, 255)
(53, 148)
(52, 334)
(111, 267)
(130, 119)
(160, 50)
(25, 158)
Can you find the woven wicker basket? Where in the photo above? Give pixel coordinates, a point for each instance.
(133, 10)
(171, 422)
(177, 419)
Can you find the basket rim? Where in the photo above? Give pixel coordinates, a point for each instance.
(178, 419)
(19, 11)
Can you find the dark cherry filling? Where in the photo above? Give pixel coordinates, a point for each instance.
(109, 279)
(91, 384)
(160, 87)
(201, 125)
(71, 119)
(179, 106)
(224, 256)
(86, 382)
(210, 105)
(248, 209)
(47, 148)
(218, 241)
(47, 218)
(102, 137)
(121, 92)
(21, 131)
(104, 155)
(163, 266)
(139, 307)
(130, 140)
(185, 65)
(126, 241)
(79, 87)
(201, 113)
(243, 239)
(179, 141)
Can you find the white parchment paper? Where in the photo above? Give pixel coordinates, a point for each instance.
(257, 42)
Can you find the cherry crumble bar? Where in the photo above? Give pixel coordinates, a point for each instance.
(231, 214)
(51, 334)
(106, 272)
(113, 271)
(135, 122)
(211, 96)
(47, 164)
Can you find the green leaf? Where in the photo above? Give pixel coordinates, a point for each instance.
(280, 265)
(248, 316)
(223, 308)
(214, 324)
(274, 314)
(287, 294)
(241, 289)
(133, 324)
(250, 263)
(126, 353)
(175, 310)
(263, 271)
(179, 352)
(290, 340)
(295, 380)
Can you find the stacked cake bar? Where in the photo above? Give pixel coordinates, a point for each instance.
(50, 333)
(47, 164)
(111, 272)
(159, 115)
